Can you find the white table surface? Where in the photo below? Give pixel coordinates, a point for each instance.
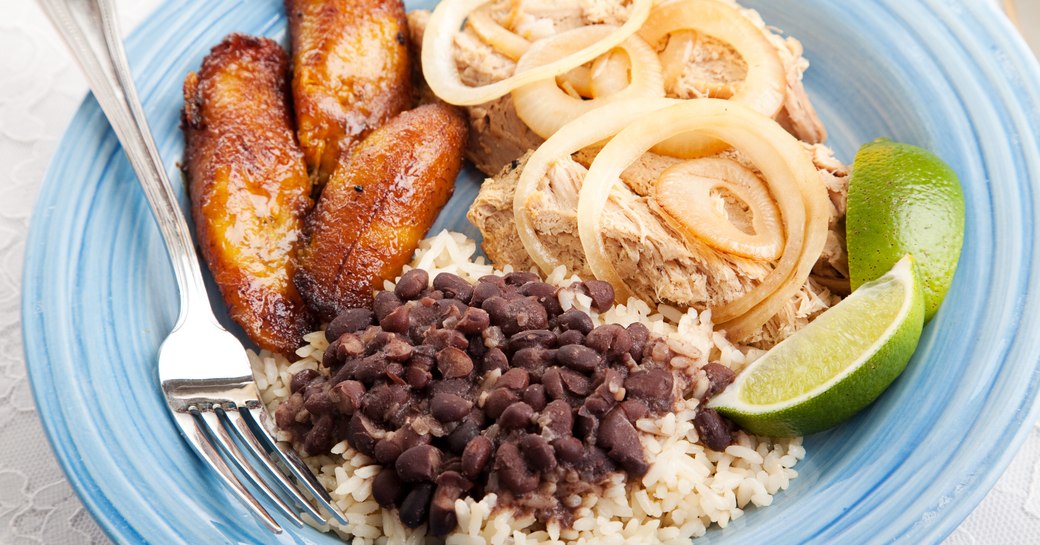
(40, 87)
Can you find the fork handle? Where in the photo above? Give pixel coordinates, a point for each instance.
(90, 29)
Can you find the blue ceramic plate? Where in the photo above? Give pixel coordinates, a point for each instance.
(949, 75)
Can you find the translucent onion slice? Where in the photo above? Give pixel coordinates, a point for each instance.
(792, 178)
(587, 130)
(611, 74)
(765, 86)
(442, 75)
(497, 36)
(686, 192)
(579, 79)
(544, 107)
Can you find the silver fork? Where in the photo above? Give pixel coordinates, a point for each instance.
(203, 368)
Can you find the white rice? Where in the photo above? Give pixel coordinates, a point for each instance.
(687, 489)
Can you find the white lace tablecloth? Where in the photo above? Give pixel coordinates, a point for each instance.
(40, 87)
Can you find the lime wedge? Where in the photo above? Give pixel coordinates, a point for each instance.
(835, 366)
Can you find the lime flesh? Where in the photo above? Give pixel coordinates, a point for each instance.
(835, 366)
(904, 200)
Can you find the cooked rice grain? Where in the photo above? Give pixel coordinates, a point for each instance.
(687, 489)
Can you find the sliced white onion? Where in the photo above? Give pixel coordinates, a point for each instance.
(792, 178)
(544, 107)
(765, 85)
(612, 73)
(587, 130)
(497, 36)
(579, 80)
(442, 75)
(686, 192)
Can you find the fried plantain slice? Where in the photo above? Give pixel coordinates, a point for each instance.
(351, 73)
(249, 186)
(377, 207)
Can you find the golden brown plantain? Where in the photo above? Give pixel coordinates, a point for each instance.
(351, 73)
(377, 207)
(249, 186)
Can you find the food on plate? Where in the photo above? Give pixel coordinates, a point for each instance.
(249, 186)
(377, 207)
(669, 271)
(526, 69)
(552, 417)
(351, 73)
(837, 365)
(904, 199)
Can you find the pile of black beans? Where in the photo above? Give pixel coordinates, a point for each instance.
(461, 390)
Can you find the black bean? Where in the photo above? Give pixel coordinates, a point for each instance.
(493, 279)
(519, 278)
(539, 454)
(462, 436)
(420, 321)
(546, 296)
(569, 449)
(498, 400)
(493, 359)
(453, 286)
(459, 387)
(571, 336)
(534, 395)
(361, 434)
(383, 400)
(412, 284)
(317, 401)
(397, 320)
(534, 360)
(513, 473)
(419, 464)
(448, 408)
(557, 418)
(349, 345)
(601, 293)
(398, 350)
(611, 339)
(476, 456)
(450, 486)
(719, 377)
(454, 363)
(349, 321)
(330, 358)
(445, 338)
(634, 409)
(302, 379)
(553, 382)
(575, 320)
(599, 405)
(388, 450)
(516, 416)
(514, 379)
(473, 321)
(484, 291)
(286, 413)
(617, 435)
(387, 488)
(639, 335)
(384, 303)
(424, 357)
(417, 378)
(516, 315)
(653, 386)
(575, 383)
(416, 505)
(319, 438)
(714, 431)
(578, 357)
(449, 312)
(529, 339)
